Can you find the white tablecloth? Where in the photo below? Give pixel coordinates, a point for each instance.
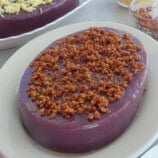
(95, 10)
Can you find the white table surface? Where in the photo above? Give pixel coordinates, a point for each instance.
(95, 10)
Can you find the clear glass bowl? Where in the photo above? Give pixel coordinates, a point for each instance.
(145, 15)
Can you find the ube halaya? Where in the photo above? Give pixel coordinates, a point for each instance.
(18, 17)
(83, 91)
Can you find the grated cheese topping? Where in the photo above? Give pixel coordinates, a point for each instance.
(126, 1)
(15, 6)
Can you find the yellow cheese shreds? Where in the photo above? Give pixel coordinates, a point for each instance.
(15, 6)
(126, 1)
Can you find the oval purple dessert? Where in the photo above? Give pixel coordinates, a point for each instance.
(77, 134)
(15, 24)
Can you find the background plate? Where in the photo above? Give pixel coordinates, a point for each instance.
(18, 40)
(14, 141)
(122, 4)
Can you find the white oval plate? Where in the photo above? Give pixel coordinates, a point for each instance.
(14, 141)
(18, 40)
(122, 4)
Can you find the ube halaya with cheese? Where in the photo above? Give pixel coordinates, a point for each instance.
(17, 17)
(83, 91)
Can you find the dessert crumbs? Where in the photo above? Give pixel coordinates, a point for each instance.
(145, 89)
(34, 110)
(83, 73)
(144, 12)
(147, 17)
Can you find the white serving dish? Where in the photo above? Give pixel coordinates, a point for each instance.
(16, 143)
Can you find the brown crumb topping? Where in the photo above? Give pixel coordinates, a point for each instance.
(145, 89)
(83, 73)
(147, 17)
(144, 12)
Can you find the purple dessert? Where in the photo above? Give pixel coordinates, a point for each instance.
(15, 24)
(1, 156)
(78, 131)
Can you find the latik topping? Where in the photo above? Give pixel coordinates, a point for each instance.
(83, 73)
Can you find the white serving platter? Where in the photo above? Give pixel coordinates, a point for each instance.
(16, 143)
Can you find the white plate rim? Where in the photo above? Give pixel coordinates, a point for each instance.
(47, 25)
(122, 4)
(81, 26)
